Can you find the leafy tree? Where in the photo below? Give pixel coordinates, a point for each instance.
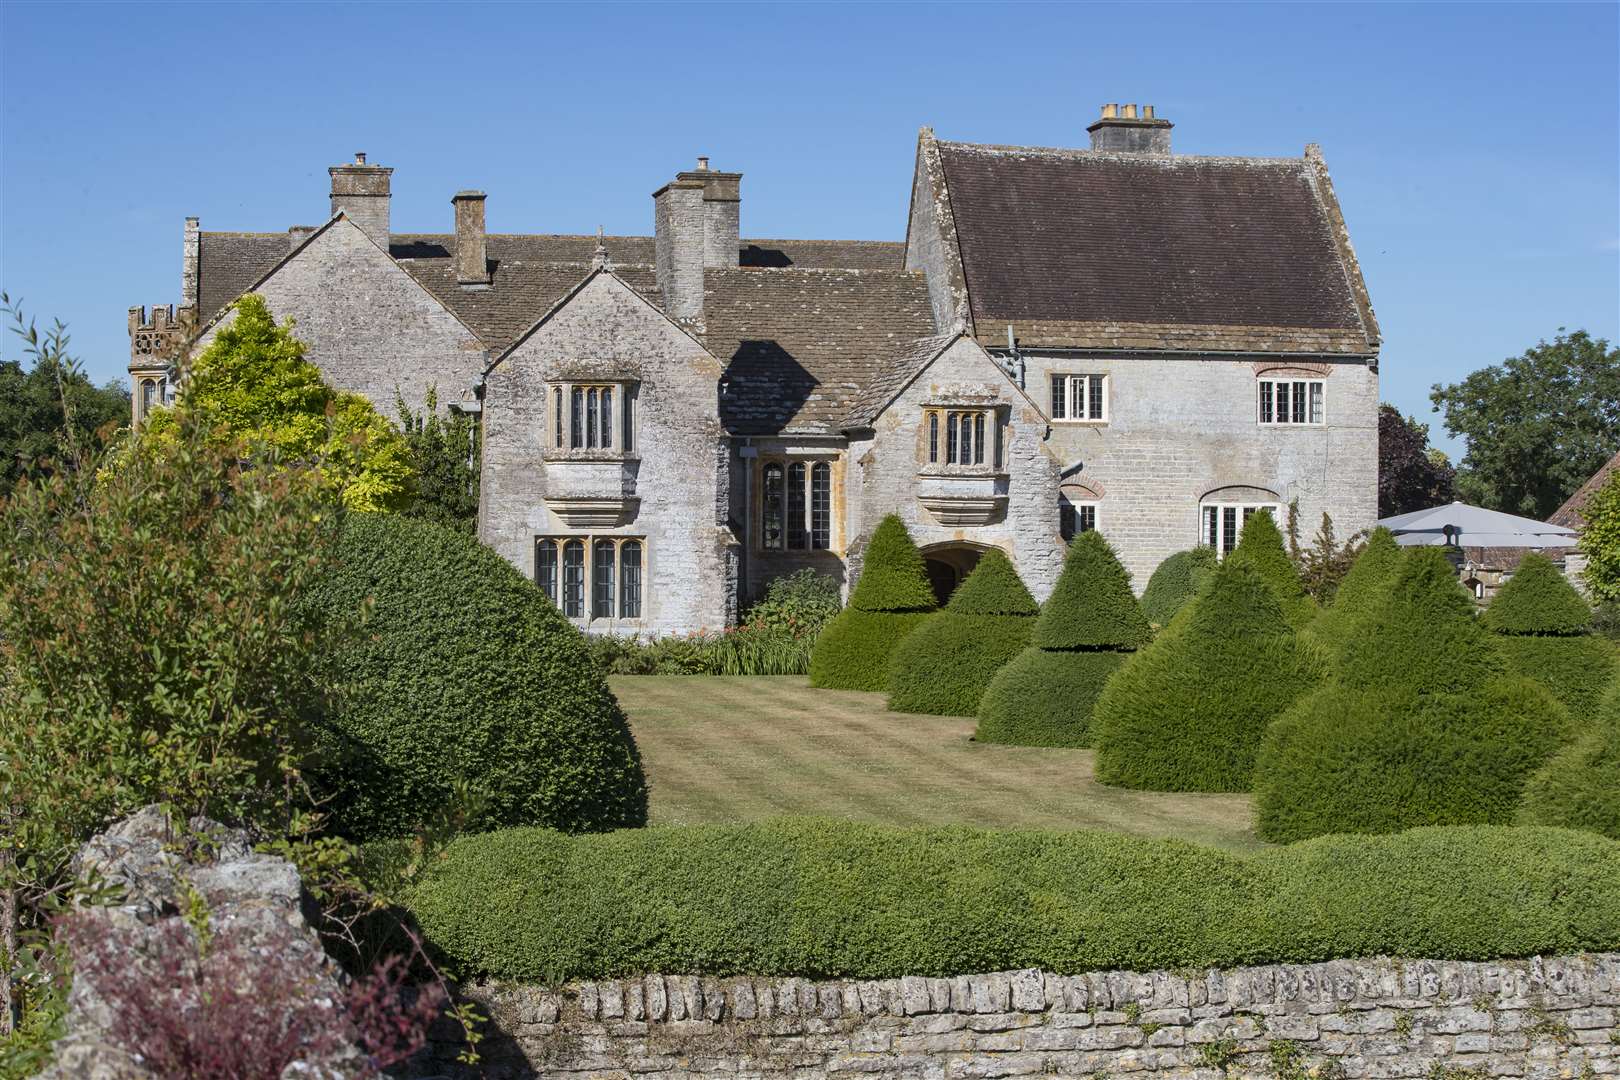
(252, 384)
(1412, 475)
(1537, 425)
(49, 408)
(891, 599)
(1600, 541)
(444, 458)
(1324, 564)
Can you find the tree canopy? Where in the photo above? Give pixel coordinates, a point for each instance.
(1412, 475)
(1537, 425)
(1600, 540)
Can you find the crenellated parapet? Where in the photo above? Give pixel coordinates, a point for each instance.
(156, 342)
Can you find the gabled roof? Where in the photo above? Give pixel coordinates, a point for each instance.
(894, 376)
(1572, 514)
(1104, 250)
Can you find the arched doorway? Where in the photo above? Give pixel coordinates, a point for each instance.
(947, 565)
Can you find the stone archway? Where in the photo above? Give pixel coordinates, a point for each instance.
(948, 564)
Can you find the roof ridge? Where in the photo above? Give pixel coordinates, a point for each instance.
(1087, 154)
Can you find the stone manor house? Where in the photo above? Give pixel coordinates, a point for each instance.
(1119, 338)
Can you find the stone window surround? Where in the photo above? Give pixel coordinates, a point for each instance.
(553, 589)
(1082, 392)
(558, 439)
(934, 437)
(817, 469)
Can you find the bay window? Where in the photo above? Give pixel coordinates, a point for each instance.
(964, 437)
(593, 417)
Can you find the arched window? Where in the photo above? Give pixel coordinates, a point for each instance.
(1077, 510)
(796, 531)
(148, 395)
(1222, 513)
(576, 417)
(772, 523)
(820, 506)
(545, 567)
(607, 417)
(557, 414)
(630, 579)
(933, 438)
(603, 572)
(969, 434)
(574, 579)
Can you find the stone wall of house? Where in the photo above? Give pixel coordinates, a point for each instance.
(1538, 1019)
(371, 328)
(674, 481)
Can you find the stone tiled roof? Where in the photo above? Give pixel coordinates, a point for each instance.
(1088, 249)
(801, 345)
(1571, 514)
(230, 263)
(897, 370)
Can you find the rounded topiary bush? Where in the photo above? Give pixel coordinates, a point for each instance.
(1188, 712)
(1580, 787)
(1371, 577)
(1260, 546)
(1421, 727)
(1544, 628)
(1088, 627)
(891, 599)
(464, 672)
(944, 665)
(1176, 581)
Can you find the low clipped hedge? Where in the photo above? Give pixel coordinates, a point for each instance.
(844, 899)
(1176, 581)
(891, 599)
(463, 674)
(944, 665)
(1045, 698)
(1580, 787)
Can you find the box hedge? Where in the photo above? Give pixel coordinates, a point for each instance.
(944, 665)
(1188, 712)
(1260, 545)
(1370, 579)
(464, 672)
(845, 899)
(892, 597)
(1087, 627)
(1538, 599)
(1176, 581)
(1580, 787)
(1544, 628)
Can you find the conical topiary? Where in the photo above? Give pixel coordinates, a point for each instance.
(1544, 628)
(1260, 545)
(1188, 712)
(944, 665)
(891, 598)
(1420, 727)
(1087, 628)
(1580, 787)
(1366, 585)
(1176, 581)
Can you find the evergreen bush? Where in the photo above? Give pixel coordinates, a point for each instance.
(1421, 727)
(1188, 712)
(892, 597)
(944, 666)
(1176, 581)
(1260, 546)
(1087, 627)
(1545, 630)
(1580, 787)
(1370, 579)
(466, 676)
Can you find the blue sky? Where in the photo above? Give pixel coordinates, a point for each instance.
(1475, 148)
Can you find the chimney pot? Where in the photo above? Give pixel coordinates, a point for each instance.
(1124, 131)
(703, 163)
(359, 157)
(1130, 112)
(1147, 112)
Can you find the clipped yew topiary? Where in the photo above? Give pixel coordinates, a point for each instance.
(1580, 787)
(1260, 546)
(1544, 628)
(944, 665)
(1189, 711)
(891, 599)
(1176, 581)
(1421, 727)
(1364, 587)
(1088, 627)
(464, 673)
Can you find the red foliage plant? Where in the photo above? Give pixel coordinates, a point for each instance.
(231, 1008)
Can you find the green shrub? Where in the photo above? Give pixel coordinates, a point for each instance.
(1260, 546)
(1044, 697)
(845, 899)
(467, 673)
(1188, 712)
(1369, 581)
(800, 603)
(1544, 630)
(944, 665)
(1176, 581)
(1538, 599)
(1580, 787)
(1576, 669)
(891, 598)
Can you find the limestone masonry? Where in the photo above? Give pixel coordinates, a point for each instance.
(1539, 1018)
(1122, 338)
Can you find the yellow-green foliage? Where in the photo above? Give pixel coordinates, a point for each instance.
(253, 384)
(1261, 546)
(1188, 712)
(1370, 579)
(1600, 540)
(944, 666)
(1580, 787)
(851, 900)
(891, 599)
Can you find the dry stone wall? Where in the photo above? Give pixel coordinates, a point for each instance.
(1539, 1018)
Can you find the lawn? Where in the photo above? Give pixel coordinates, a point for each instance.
(741, 749)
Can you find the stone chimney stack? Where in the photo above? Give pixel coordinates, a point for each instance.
(362, 191)
(697, 221)
(1123, 131)
(472, 251)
